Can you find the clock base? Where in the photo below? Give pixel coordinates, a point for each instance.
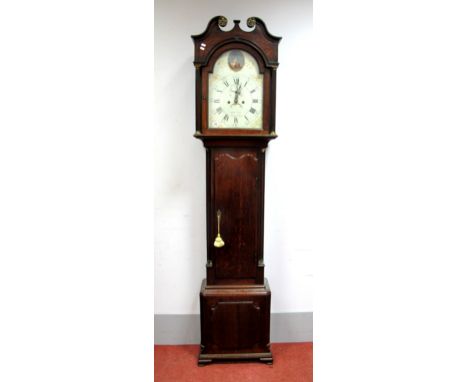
(206, 359)
(235, 323)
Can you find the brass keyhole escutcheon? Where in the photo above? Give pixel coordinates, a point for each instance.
(218, 243)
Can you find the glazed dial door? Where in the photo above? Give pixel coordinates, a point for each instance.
(235, 90)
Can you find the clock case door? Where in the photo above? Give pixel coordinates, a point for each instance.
(235, 187)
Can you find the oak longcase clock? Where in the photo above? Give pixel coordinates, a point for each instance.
(235, 119)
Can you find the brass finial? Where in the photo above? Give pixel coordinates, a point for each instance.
(222, 21)
(251, 22)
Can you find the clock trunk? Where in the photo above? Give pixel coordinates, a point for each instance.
(235, 187)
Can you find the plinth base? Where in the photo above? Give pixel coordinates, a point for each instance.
(235, 323)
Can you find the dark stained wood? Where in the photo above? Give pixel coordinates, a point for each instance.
(214, 37)
(235, 297)
(234, 191)
(235, 184)
(235, 323)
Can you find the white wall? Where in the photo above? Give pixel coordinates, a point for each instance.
(180, 158)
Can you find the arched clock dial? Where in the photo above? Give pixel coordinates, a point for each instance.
(235, 92)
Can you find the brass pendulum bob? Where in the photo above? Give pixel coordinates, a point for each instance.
(218, 243)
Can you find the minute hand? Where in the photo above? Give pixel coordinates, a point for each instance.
(237, 94)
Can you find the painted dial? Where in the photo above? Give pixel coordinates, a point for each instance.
(235, 92)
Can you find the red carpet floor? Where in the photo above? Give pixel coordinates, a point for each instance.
(292, 363)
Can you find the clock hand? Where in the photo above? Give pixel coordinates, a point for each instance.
(237, 95)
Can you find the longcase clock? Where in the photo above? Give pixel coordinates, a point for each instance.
(235, 119)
